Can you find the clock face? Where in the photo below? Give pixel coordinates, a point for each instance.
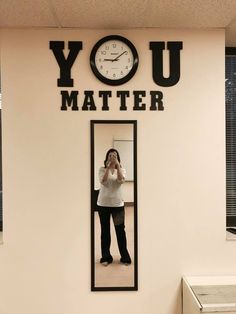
(114, 60)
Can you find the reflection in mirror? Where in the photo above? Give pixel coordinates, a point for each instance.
(230, 106)
(113, 205)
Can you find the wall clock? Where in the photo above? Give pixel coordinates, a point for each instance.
(114, 60)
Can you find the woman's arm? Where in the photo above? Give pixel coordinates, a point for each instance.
(105, 176)
(120, 175)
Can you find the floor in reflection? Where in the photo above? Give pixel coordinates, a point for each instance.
(115, 274)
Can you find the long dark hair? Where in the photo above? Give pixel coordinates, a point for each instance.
(111, 150)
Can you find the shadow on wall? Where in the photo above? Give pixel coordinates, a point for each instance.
(1, 219)
(177, 305)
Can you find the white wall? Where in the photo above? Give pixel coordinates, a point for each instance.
(45, 258)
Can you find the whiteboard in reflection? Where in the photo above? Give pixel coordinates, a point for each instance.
(125, 149)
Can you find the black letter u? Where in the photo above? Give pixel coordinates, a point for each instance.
(157, 48)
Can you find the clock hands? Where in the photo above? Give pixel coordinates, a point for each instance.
(116, 58)
(109, 60)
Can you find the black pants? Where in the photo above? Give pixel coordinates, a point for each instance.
(118, 216)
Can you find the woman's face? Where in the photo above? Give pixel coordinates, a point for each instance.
(112, 156)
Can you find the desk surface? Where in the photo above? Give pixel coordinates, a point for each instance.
(215, 294)
(217, 297)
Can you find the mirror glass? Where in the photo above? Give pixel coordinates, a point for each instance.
(113, 205)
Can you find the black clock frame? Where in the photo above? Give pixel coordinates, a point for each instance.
(99, 75)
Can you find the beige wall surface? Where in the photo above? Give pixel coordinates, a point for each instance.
(45, 257)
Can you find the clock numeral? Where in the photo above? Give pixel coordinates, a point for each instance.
(126, 53)
(100, 60)
(114, 75)
(107, 72)
(127, 67)
(103, 52)
(107, 47)
(121, 73)
(101, 67)
(114, 45)
(129, 60)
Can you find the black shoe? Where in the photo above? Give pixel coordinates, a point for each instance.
(126, 260)
(106, 260)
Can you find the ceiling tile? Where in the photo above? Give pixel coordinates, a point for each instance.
(146, 13)
(26, 13)
(119, 14)
(101, 14)
(190, 14)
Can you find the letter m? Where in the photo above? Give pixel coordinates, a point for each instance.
(69, 99)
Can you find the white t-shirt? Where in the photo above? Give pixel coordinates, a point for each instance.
(110, 194)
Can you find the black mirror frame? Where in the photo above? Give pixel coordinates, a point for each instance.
(135, 286)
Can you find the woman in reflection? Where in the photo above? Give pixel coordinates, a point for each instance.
(110, 203)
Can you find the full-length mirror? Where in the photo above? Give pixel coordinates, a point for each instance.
(113, 205)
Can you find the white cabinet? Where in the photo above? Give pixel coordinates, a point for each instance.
(213, 294)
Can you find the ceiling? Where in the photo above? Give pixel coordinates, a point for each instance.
(121, 14)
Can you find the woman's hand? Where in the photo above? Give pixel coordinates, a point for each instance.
(115, 160)
(112, 160)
